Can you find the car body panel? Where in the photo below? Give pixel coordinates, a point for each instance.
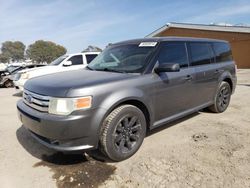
(165, 96)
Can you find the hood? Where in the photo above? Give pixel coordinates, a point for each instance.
(59, 84)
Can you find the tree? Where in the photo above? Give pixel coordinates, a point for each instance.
(45, 51)
(92, 49)
(12, 51)
(4, 58)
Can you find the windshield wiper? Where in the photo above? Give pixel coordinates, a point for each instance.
(112, 70)
(106, 69)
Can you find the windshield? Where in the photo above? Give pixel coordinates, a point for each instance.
(58, 60)
(11, 68)
(125, 58)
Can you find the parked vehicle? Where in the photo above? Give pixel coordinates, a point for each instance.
(8, 75)
(63, 63)
(129, 89)
(3, 66)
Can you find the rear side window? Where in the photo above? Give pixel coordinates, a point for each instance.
(200, 53)
(90, 57)
(173, 52)
(222, 52)
(76, 60)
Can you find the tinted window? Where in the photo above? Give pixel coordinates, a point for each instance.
(201, 53)
(76, 60)
(174, 52)
(90, 57)
(222, 52)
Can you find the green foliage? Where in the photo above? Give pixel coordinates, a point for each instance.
(4, 58)
(12, 51)
(45, 51)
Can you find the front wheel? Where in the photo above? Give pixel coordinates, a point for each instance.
(122, 132)
(8, 83)
(222, 98)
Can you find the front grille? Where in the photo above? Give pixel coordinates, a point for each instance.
(36, 101)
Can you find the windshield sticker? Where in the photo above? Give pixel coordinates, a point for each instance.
(147, 44)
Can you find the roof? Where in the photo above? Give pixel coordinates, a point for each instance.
(222, 28)
(169, 38)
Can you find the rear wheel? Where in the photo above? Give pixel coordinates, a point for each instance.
(222, 98)
(122, 132)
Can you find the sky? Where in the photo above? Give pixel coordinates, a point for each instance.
(76, 24)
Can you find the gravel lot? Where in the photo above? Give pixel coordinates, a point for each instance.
(201, 150)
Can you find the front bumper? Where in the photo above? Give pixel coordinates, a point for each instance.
(63, 133)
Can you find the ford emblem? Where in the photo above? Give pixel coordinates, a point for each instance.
(29, 98)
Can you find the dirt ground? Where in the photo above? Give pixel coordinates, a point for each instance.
(201, 150)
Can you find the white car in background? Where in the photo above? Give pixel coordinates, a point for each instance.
(64, 63)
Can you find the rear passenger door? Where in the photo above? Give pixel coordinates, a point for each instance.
(202, 60)
(174, 91)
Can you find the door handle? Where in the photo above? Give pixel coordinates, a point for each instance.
(188, 78)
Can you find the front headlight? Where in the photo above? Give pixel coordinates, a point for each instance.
(25, 76)
(65, 106)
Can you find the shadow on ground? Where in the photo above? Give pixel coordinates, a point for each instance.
(69, 170)
(18, 94)
(248, 85)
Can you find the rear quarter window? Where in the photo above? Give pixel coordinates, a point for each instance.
(222, 52)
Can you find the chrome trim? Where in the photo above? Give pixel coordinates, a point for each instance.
(36, 101)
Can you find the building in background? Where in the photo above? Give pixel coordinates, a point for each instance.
(238, 36)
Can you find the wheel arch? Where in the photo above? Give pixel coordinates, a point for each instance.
(229, 81)
(227, 77)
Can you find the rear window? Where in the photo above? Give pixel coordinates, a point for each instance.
(222, 52)
(201, 53)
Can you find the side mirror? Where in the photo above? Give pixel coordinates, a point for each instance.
(67, 63)
(167, 67)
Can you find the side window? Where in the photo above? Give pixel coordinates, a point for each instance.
(174, 52)
(222, 52)
(200, 53)
(90, 57)
(76, 60)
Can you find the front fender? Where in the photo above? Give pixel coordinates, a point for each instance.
(121, 96)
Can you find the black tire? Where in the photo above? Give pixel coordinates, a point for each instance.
(122, 132)
(222, 98)
(8, 83)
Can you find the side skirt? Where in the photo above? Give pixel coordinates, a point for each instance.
(179, 115)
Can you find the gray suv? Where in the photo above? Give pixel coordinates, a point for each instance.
(130, 88)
